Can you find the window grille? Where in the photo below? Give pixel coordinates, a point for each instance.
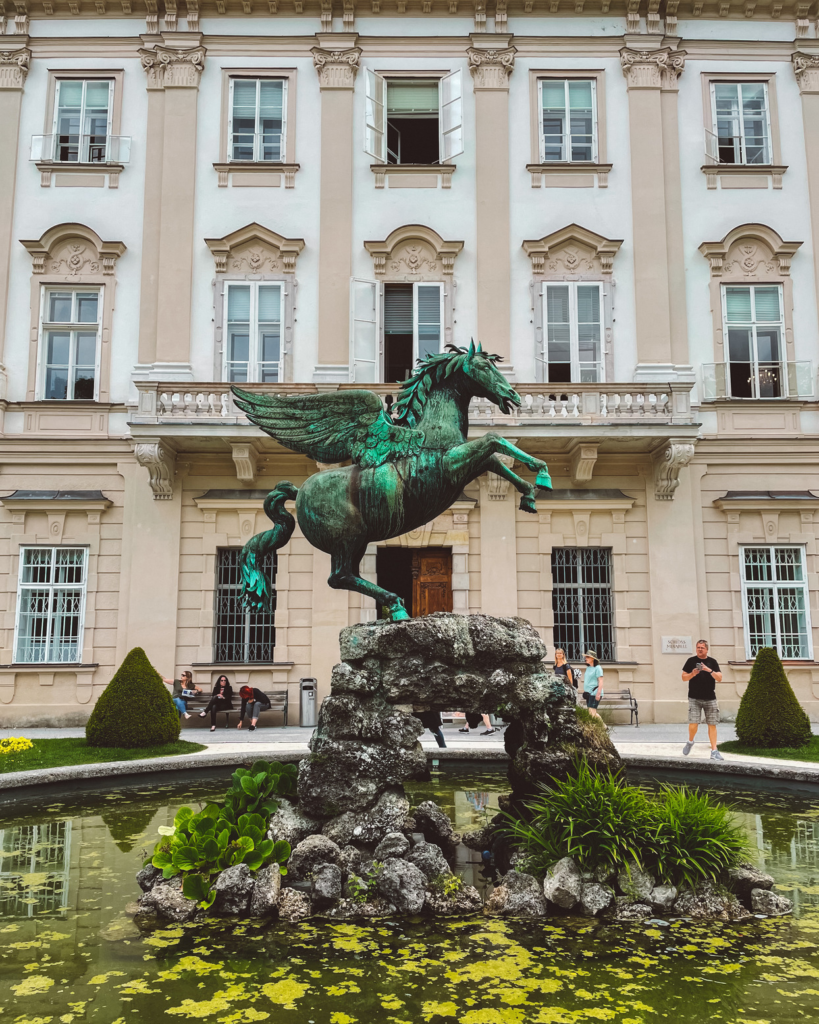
(50, 605)
(242, 636)
(34, 863)
(775, 591)
(582, 603)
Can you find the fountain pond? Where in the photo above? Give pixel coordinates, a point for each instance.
(70, 953)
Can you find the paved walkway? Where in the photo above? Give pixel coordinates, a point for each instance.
(651, 740)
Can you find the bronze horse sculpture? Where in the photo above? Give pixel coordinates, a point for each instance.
(406, 469)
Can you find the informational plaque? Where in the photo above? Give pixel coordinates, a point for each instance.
(678, 645)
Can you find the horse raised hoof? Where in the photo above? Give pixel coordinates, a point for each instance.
(527, 504)
(399, 614)
(543, 480)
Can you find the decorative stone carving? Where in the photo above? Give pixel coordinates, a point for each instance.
(751, 252)
(583, 459)
(490, 69)
(193, 15)
(668, 462)
(173, 67)
(497, 487)
(806, 69)
(14, 66)
(245, 457)
(572, 251)
(336, 68)
(652, 69)
(413, 253)
(254, 249)
(159, 461)
(73, 250)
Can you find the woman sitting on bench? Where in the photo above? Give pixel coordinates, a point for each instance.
(221, 700)
(255, 702)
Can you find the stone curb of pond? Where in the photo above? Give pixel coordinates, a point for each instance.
(13, 783)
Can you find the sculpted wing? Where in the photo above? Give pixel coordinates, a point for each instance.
(332, 427)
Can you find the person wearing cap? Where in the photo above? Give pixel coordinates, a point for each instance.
(254, 702)
(592, 683)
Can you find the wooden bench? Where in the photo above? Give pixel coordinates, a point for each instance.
(621, 700)
(277, 698)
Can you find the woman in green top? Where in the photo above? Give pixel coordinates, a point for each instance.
(185, 683)
(592, 683)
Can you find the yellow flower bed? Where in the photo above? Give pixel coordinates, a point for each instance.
(14, 745)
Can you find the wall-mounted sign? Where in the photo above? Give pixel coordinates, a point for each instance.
(678, 645)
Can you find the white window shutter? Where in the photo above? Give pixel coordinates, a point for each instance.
(428, 302)
(375, 116)
(451, 116)
(364, 331)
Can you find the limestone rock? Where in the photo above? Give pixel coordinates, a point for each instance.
(346, 716)
(351, 857)
(311, 852)
(635, 883)
(595, 898)
(166, 901)
(626, 909)
(467, 900)
(294, 906)
(148, 877)
(387, 815)
(326, 884)
(705, 902)
(742, 879)
(347, 910)
(290, 825)
(394, 844)
(563, 884)
(429, 858)
(403, 885)
(663, 897)
(233, 887)
(518, 895)
(478, 839)
(340, 829)
(266, 889)
(434, 823)
(763, 901)
(347, 679)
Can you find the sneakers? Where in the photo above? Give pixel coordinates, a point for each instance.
(687, 748)
(465, 729)
(716, 756)
(487, 732)
(252, 728)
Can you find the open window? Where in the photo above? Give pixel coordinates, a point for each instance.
(740, 114)
(413, 120)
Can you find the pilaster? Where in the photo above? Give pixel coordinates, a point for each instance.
(15, 58)
(806, 69)
(491, 62)
(499, 573)
(173, 72)
(336, 60)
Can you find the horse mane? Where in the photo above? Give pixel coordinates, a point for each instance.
(414, 392)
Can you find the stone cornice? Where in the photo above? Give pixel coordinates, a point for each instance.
(173, 67)
(490, 69)
(14, 65)
(652, 69)
(806, 69)
(336, 68)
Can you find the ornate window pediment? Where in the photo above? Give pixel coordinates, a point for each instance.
(750, 252)
(572, 250)
(254, 249)
(73, 251)
(413, 253)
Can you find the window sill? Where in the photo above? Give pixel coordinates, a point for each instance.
(242, 664)
(413, 175)
(38, 666)
(78, 175)
(569, 175)
(256, 175)
(743, 175)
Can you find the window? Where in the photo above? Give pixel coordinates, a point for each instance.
(754, 328)
(572, 318)
(740, 113)
(82, 120)
(253, 332)
(70, 331)
(34, 868)
(241, 636)
(582, 602)
(413, 120)
(775, 593)
(568, 121)
(50, 605)
(256, 131)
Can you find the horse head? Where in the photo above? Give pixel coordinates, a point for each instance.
(485, 380)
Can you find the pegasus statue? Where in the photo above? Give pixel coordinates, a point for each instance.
(406, 468)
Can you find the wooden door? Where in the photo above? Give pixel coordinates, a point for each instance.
(431, 581)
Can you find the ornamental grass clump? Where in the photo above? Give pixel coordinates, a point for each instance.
(14, 745)
(135, 709)
(602, 822)
(770, 714)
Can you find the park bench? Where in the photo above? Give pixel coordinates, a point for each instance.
(621, 700)
(277, 698)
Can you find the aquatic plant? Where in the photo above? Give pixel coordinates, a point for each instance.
(769, 713)
(602, 822)
(201, 844)
(15, 744)
(447, 885)
(135, 709)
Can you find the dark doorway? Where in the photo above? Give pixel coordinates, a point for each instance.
(422, 577)
(393, 571)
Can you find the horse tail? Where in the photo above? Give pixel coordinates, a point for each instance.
(256, 587)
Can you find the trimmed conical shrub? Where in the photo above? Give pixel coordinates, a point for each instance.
(135, 709)
(769, 714)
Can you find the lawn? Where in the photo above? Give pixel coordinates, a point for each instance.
(58, 752)
(807, 753)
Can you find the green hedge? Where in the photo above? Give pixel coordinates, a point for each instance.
(769, 713)
(135, 709)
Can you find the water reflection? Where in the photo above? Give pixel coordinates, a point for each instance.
(34, 869)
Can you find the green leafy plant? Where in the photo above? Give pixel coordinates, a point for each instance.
(135, 709)
(770, 714)
(447, 885)
(362, 890)
(601, 821)
(202, 843)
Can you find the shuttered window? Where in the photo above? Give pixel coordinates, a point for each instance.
(754, 328)
(253, 332)
(572, 313)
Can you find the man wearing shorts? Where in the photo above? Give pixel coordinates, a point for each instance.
(701, 673)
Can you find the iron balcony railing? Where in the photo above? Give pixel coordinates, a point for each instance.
(82, 149)
(793, 380)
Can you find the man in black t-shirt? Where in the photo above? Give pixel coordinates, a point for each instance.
(701, 673)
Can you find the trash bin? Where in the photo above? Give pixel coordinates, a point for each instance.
(307, 692)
